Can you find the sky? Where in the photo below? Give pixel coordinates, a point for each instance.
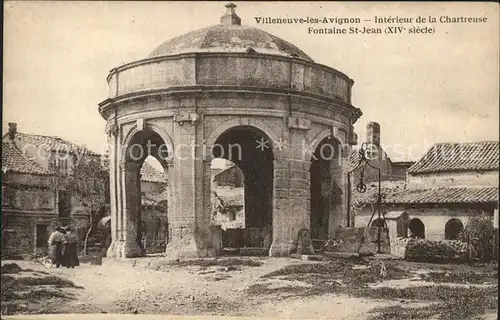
(421, 89)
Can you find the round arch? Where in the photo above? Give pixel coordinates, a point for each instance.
(378, 223)
(417, 228)
(238, 122)
(453, 228)
(152, 127)
(318, 138)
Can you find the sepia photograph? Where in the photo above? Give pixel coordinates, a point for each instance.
(250, 160)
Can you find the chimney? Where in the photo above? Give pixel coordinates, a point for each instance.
(12, 130)
(373, 133)
(230, 18)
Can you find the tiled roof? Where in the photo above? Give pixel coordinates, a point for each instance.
(216, 171)
(395, 192)
(387, 187)
(458, 157)
(231, 196)
(154, 199)
(13, 160)
(52, 143)
(444, 195)
(150, 174)
(403, 163)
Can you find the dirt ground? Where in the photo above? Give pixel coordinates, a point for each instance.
(264, 287)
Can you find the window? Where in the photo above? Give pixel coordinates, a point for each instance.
(42, 235)
(52, 162)
(58, 162)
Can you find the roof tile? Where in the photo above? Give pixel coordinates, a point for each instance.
(13, 160)
(445, 195)
(458, 157)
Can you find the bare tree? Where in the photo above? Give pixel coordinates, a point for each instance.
(87, 181)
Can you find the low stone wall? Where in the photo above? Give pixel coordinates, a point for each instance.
(366, 239)
(243, 237)
(422, 250)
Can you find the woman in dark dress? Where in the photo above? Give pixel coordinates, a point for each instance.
(56, 246)
(70, 249)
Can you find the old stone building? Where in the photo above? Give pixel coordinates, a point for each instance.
(197, 95)
(33, 203)
(32, 200)
(29, 203)
(449, 184)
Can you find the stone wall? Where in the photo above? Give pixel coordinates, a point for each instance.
(434, 218)
(433, 180)
(229, 69)
(19, 234)
(366, 239)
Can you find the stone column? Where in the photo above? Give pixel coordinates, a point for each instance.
(205, 231)
(189, 226)
(132, 210)
(113, 179)
(291, 195)
(291, 204)
(339, 168)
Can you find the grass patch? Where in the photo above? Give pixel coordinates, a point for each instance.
(461, 277)
(11, 268)
(445, 302)
(24, 294)
(341, 269)
(218, 263)
(264, 289)
(451, 303)
(44, 281)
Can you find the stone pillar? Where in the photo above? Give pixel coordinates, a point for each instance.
(205, 232)
(336, 202)
(291, 195)
(132, 210)
(113, 175)
(291, 204)
(190, 227)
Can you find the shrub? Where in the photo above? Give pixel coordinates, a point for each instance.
(480, 228)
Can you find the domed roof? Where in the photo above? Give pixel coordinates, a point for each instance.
(229, 36)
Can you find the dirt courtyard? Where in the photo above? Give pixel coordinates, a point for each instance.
(284, 288)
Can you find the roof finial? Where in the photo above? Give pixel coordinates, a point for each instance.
(230, 18)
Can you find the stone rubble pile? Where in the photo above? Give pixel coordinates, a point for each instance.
(422, 250)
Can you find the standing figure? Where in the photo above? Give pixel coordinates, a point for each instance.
(70, 244)
(56, 246)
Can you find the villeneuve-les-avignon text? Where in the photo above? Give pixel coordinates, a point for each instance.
(392, 24)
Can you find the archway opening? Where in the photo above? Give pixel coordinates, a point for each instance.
(378, 223)
(228, 194)
(324, 187)
(417, 228)
(250, 150)
(147, 190)
(452, 229)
